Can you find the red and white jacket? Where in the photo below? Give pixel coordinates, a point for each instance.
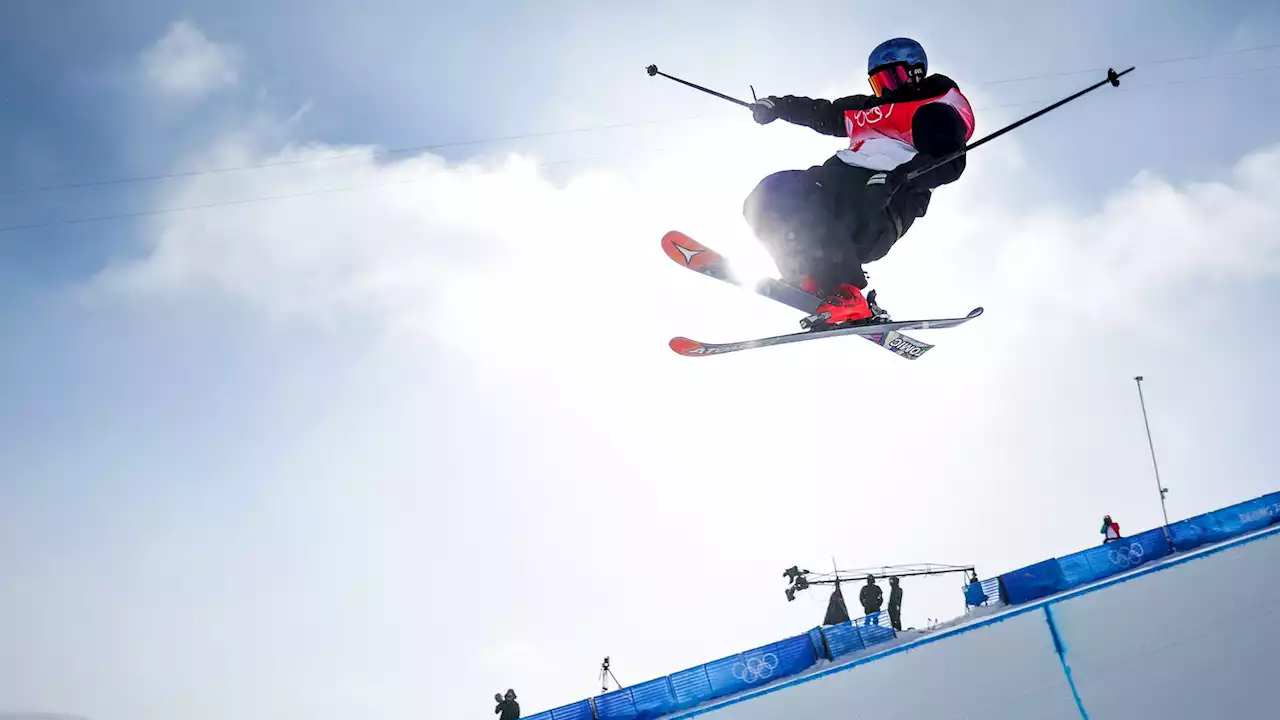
(882, 137)
(884, 133)
(1111, 530)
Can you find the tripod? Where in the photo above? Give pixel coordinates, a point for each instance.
(605, 674)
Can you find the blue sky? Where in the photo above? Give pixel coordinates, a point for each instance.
(394, 448)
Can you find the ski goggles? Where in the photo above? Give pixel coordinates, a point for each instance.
(887, 78)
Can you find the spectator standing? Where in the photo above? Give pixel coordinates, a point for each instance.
(871, 596)
(895, 603)
(508, 708)
(1110, 530)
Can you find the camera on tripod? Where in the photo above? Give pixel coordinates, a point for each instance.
(605, 674)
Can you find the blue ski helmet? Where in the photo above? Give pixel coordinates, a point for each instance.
(897, 50)
(895, 63)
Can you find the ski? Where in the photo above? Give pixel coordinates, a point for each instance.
(885, 334)
(689, 253)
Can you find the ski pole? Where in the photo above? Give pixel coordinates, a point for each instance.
(653, 70)
(1113, 78)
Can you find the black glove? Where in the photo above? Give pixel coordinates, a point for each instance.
(765, 110)
(891, 181)
(887, 183)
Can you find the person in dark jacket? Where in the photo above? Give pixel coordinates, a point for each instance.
(508, 708)
(895, 603)
(837, 611)
(871, 596)
(822, 224)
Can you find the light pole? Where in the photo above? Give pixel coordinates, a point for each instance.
(1159, 485)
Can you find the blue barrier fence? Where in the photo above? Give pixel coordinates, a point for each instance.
(1052, 576)
(730, 675)
(1225, 524)
(1033, 581)
(850, 637)
(986, 592)
(754, 668)
(700, 684)
(576, 711)
(1100, 562)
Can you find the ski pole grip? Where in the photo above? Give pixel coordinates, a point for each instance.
(1113, 77)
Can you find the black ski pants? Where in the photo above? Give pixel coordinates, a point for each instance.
(824, 222)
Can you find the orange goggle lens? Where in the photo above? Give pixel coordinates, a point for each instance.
(890, 78)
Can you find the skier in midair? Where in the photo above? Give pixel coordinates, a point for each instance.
(822, 224)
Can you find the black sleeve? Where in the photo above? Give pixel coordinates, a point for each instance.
(825, 116)
(937, 130)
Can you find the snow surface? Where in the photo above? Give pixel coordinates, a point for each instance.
(1195, 636)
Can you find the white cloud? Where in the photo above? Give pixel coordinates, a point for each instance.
(417, 242)
(187, 65)
(1150, 244)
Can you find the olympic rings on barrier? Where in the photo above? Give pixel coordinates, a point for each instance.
(1127, 557)
(756, 668)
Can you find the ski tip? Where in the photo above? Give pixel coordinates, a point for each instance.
(675, 237)
(975, 312)
(688, 252)
(685, 346)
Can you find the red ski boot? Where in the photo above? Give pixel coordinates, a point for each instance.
(845, 306)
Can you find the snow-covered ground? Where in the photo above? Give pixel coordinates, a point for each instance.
(1195, 636)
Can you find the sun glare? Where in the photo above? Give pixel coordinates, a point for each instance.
(753, 264)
